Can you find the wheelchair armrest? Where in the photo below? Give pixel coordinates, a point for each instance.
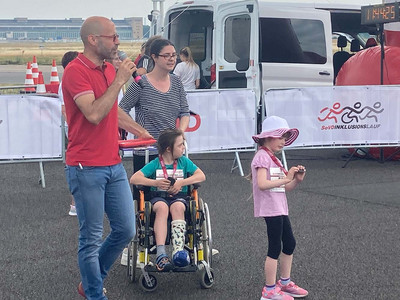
(196, 185)
(141, 187)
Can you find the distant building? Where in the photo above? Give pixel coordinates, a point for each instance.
(68, 29)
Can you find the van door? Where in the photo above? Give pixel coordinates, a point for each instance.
(236, 45)
(296, 47)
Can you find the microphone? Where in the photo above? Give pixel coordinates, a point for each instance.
(138, 79)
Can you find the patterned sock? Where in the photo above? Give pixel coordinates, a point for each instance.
(270, 287)
(161, 250)
(178, 231)
(285, 281)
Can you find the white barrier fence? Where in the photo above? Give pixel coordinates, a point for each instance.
(30, 129)
(30, 126)
(227, 122)
(340, 116)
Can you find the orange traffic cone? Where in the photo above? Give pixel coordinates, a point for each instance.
(35, 70)
(54, 74)
(28, 79)
(40, 88)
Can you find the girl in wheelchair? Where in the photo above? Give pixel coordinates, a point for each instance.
(168, 177)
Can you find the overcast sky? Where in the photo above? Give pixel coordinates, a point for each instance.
(61, 9)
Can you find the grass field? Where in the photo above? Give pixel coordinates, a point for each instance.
(19, 53)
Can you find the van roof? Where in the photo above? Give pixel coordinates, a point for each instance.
(327, 4)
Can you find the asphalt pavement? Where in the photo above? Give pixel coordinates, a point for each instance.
(345, 220)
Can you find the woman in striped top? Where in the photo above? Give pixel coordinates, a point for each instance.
(161, 101)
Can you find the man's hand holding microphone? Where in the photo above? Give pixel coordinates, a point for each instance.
(123, 56)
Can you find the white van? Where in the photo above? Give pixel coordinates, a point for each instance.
(261, 44)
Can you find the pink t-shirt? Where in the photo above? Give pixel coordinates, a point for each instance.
(272, 202)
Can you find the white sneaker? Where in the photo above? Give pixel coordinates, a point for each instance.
(214, 252)
(124, 257)
(72, 210)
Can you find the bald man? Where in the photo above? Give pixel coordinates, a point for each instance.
(95, 174)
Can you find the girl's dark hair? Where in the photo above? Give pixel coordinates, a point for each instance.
(68, 57)
(158, 44)
(167, 139)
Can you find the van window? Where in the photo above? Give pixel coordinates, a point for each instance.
(190, 28)
(292, 41)
(237, 40)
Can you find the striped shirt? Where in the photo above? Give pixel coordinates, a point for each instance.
(154, 110)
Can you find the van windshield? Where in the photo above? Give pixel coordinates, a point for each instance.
(285, 40)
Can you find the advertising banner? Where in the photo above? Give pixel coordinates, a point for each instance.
(30, 127)
(341, 115)
(224, 120)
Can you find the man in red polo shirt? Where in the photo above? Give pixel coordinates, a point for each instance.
(95, 174)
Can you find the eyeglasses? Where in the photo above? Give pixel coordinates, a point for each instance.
(114, 36)
(168, 55)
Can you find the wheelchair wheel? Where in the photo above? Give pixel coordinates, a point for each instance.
(148, 286)
(147, 230)
(206, 234)
(133, 250)
(206, 281)
(132, 259)
(193, 213)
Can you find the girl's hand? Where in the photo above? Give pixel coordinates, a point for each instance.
(291, 173)
(163, 184)
(176, 188)
(301, 172)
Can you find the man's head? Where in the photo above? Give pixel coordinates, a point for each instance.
(99, 37)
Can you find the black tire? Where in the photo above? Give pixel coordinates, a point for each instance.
(133, 249)
(147, 219)
(145, 286)
(205, 281)
(193, 212)
(132, 259)
(206, 234)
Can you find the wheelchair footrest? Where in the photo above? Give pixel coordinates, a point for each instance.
(189, 268)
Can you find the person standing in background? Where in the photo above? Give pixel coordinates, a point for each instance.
(146, 63)
(66, 59)
(140, 54)
(187, 70)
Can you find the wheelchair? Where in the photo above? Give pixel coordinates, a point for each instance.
(198, 242)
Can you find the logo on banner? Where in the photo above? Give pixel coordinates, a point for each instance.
(195, 126)
(355, 117)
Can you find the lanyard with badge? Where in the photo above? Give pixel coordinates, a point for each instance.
(275, 159)
(164, 169)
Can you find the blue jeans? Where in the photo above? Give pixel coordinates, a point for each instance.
(99, 190)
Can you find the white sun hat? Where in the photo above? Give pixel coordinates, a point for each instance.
(275, 127)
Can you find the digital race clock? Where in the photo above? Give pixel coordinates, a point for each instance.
(380, 13)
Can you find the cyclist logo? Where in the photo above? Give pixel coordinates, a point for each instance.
(348, 114)
(334, 110)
